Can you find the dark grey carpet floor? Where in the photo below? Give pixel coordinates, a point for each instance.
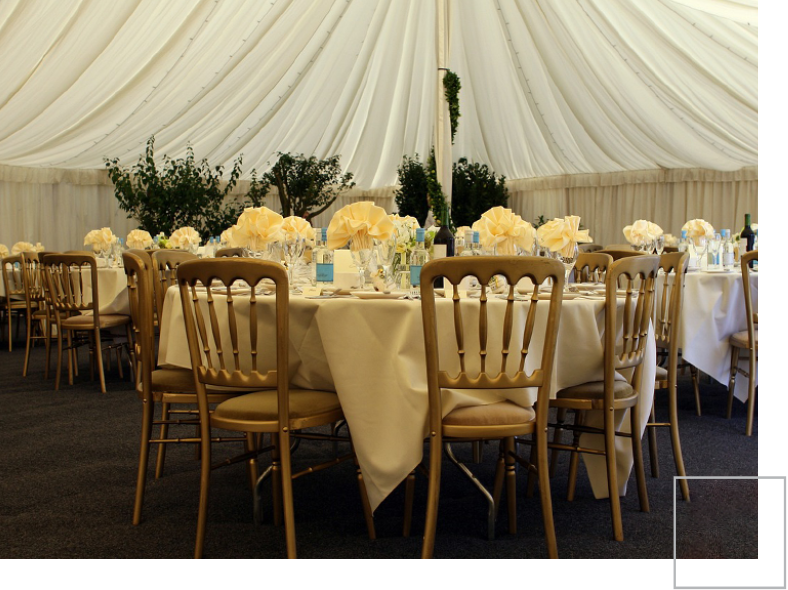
(68, 465)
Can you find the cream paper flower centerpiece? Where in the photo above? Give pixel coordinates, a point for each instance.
(501, 229)
(139, 239)
(39, 247)
(185, 238)
(228, 237)
(20, 247)
(697, 228)
(298, 227)
(4, 251)
(642, 232)
(560, 235)
(100, 239)
(256, 228)
(359, 223)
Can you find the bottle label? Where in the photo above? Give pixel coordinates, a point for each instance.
(415, 275)
(727, 259)
(438, 251)
(324, 273)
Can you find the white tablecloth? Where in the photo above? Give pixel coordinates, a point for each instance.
(371, 353)
(713, 311)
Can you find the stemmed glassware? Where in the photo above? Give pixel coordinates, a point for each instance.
(569, 263)
(659, 244)
(386, 249)
(361, 258)
(698, 245)
(293, 249)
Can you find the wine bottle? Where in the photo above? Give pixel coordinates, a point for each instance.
(443, 243)
(747, 235)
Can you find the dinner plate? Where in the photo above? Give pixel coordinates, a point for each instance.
(377, 294)
(716, 270)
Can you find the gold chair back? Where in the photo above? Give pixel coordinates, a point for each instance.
(752, 315)
(139, 279)
(230, 253)
(668, 308)
(165, 263)
(66, 277)
(226, 350)
(591, 267)
(13, 277)
(619, 253)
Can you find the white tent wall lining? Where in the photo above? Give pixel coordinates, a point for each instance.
(35, 202)
(549, 89)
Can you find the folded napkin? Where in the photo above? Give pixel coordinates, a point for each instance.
(642, 232)
(100, 239)
(501, 229)
(359, 223)
(139, 239)
(696, 228)
(184, 238)
(4, 251)
(257, 227)
(560, 235)
(298, 227)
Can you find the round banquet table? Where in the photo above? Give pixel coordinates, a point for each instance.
(713, 311)
(371, 352)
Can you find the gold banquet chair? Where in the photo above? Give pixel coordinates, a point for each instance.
(625, 340)
(666, 331)
(746, 340)
(39, 320)
(14, 283)
(227, 350)
(503, 420)
(617, 251)
(70, 298)
(155, 385)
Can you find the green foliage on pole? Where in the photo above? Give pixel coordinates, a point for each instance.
(474, 190)
(451, 90)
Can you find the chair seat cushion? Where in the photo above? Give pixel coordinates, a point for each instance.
(262, 405)
(177, 381)
(596, 390)
(501, 413)
(742, 339)
(85, 322)
(662, 374)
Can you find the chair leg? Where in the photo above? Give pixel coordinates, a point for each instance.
(97, 344)
(251, 464)
(574, 458)
(732, 382)
(696, 384)
(47, 343)
(751, 393)
(28, 342)
(652, 443)
(163, 433)
(433, 491)
(612, 477)
(59, 368)
(276, 479)
(559, 419)
(410, 484)
(142, 469)
(205, 481)
(511, 484)
(365, 505)
(500, 470)
(674, 439)
(532, 477)
(287, 493)
(637, 454)
(542, 467)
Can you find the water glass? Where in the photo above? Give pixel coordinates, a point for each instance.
(659, 244)
(714, 245)
(386, 249)
(293, 249)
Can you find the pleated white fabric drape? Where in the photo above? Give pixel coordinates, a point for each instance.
(549, 89)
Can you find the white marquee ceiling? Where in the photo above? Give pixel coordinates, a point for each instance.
(549, 87)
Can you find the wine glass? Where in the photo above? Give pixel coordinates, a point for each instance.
(386, 249)
(699, 245)
(293, 248)
(659, 244)
(568, 257)
(361, 258)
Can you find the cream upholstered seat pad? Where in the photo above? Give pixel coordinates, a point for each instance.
(371, 353)
(742, 339)
(262, 405)
(596, 390)
(503, 413)
(85, 322)
(661, 374)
